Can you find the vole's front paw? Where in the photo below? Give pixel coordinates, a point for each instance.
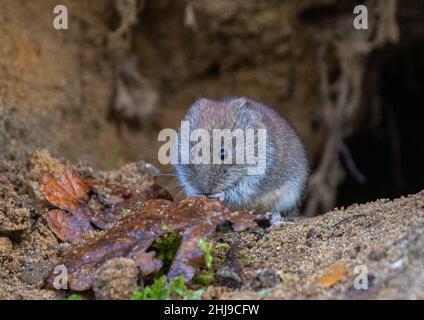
(277, 220)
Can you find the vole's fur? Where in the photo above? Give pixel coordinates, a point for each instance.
(279, 189)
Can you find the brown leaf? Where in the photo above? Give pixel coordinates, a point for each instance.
(75, 187)
(229, 274)
(189, 256)
(147, 263)
(69, 193)
(131, 200)
(243, 220)
(56, 193)
(155, 191)
(332, 276)
(63, 225)
(132, 237)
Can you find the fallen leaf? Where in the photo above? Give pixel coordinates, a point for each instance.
(147, 262)
(189, 255)
(65, 193)
(75, 187)
(229, 274)
(332, 276)
(154, 191)
(130, 201)
(70, 193)
(137, 222)
(132, 236)
(63, 225)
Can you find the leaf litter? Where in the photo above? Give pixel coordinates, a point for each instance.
(130, 227)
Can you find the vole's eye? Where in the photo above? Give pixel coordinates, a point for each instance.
(222, 154)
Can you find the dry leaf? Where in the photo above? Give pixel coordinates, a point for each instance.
(132, 236)
(70, 193)
(147, 263)
(333, 275)
(189, 255)
(130, 201)
(65, 193)
(139, 221)
(63, 225)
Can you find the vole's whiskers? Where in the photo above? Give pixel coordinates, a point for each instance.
(171, 186)
(176, 196)
(165, 174)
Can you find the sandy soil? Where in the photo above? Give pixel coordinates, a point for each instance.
(385, 236)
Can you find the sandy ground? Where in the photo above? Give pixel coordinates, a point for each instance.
(384, 236)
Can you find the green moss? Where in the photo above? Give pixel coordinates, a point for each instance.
(206, 248)
(263, 293)
(162, 289)
(204, 278)
(243, 256)
(330, 224)
(75, 296)
(166, 247)
(222, 246)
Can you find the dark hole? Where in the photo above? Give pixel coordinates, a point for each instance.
(214, 69)
(391, 156)
(316, 125)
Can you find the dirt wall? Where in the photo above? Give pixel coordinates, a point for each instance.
(55, 85)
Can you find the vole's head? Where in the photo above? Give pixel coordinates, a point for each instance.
(220, 170)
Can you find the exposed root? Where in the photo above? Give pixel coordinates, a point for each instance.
(342, 101)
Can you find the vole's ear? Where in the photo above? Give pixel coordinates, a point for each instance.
(200, 104)
(241, 107)
(196, 109)
(244, 112)
(239, 102)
